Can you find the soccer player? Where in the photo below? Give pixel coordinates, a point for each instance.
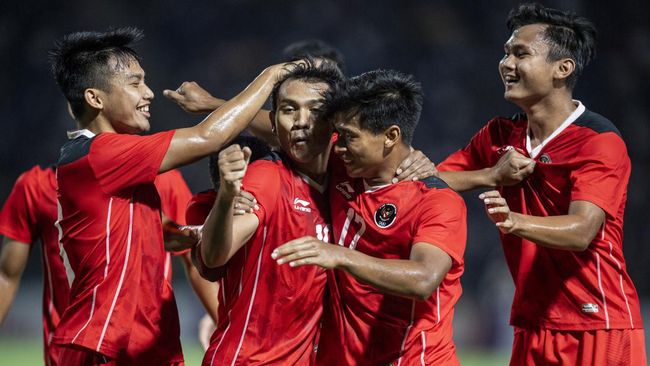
(399, 257)
(271, 314)
(561, 173)
(29, 214)
(121, 311)
(197, 211)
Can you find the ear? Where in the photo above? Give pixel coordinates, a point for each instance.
(565, 67)
(272, 119)
(94, 98)
(393, 136)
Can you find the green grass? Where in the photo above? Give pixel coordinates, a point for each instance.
(29, 352)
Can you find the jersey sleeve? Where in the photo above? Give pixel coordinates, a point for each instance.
(199, 207)
(19, 218)
(174, 195)
(443, 223)
(121, 161)
(262, 180)
(474, 156)
(603, 168)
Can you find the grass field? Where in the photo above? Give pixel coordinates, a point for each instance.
(14, 352)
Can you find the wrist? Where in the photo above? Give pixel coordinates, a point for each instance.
(491, 177)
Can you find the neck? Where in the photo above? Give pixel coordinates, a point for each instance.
(386, 171)
(96, 125)
(546, 115)
(316, 169)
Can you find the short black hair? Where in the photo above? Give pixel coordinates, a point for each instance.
(381, 98)
(325, 72)
(258, 148)
(315, 48)
(568, 35)
(83, 60)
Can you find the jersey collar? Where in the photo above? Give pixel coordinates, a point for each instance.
(83, 132)
(319, 187)
(572, 117)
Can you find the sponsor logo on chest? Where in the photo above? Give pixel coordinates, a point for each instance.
(301, 205)
(346, 189)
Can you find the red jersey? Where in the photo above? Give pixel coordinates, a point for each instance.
(561, 289)
(199, 207)
(121, 305)
(364, 326)
(29, 214)
(269, 314)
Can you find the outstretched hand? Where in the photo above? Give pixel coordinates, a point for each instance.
(498, 211)
(309, 250)
(193, 98)
(416, 166)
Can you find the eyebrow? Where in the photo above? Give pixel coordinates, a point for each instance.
(138, 76)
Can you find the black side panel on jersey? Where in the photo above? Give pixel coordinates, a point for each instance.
(74, 150)
(596, 122)
(435, 182)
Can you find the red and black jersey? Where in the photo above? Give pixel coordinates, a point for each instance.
(121, 304)
(269, 313)
(561, 289)
(29, 214)
(364, 326)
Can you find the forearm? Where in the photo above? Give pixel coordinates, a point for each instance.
(8, 287)
(462, 181)
(206, 291)
(566, 232)
(406, 278)
(217, 237)
(260, 127)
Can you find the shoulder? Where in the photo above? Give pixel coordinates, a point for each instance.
(74, 150)
(596, 123)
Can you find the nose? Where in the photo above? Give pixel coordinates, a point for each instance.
(148, 93)
(302, 118)
(507, 62)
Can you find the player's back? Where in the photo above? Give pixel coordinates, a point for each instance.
(364, 326)
(269, 314)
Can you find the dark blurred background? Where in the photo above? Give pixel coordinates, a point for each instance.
(452, 47)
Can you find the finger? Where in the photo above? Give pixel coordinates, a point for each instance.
(499, 210)
(247, 153)
(172, 95)
(498, 201)
(411, 171)
(489, 194)
(289, 246)
(301, 254)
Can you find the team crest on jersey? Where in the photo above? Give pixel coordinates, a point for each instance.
(545, 158)
(346, 189)
(385, 215)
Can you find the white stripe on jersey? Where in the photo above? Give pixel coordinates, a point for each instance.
(119, 285)
(620, 280)
(406, 334)
(600, 286)
(250, 306)
(424, 347)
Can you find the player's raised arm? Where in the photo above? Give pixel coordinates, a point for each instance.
(192, 98)
(13, 260)
(223, 233)
(193, 143)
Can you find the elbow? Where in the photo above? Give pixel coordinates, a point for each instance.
(580, 245)
(214, 261)
(425, 287)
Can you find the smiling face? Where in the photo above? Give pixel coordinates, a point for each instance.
(296, 120)
(362, 151)
(126, 103)
(527, 74)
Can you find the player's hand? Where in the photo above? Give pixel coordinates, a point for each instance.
(233, 161)
(498, 211)
(309, 250)
(245, 203)
(180, 238)
(416, 166)
(512, 168)
(193, 98)
(206, 328)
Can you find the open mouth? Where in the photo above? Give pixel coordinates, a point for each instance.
(510, 79)
(144, 109)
